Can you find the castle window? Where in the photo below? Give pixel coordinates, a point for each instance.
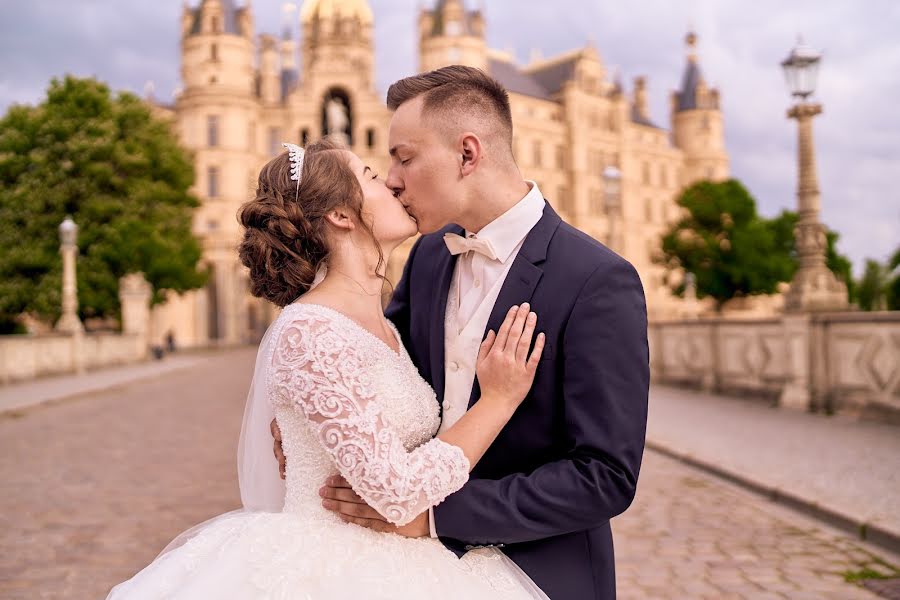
(212, 182)
(274, 140)
(645, 172)
(560, 157)
(214, 25)
(251, 136)
(304, 137)
(704, 123)
(214, 52)
(663, 176)
(212, 131)
(370, 138)
(454, 28)
(536, 154)
(648, 210)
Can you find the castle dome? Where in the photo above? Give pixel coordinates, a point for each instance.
(329, 9)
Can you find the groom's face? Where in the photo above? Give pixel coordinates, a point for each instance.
(424, 173)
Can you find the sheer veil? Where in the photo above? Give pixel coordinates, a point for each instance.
(262, 489)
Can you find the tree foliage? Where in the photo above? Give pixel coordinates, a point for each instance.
(731, 250)
(121, 175)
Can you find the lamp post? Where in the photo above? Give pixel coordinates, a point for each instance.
(814, 287)
(612, 200)
(69, 321)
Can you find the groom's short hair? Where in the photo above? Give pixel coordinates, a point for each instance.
(456, 89)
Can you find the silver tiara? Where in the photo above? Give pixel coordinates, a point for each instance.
(295, 153)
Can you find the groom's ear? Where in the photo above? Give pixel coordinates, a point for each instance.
(471, 152)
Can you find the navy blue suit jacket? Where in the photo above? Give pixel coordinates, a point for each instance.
(568, 460)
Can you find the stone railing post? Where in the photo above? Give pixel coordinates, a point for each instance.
(134, 296)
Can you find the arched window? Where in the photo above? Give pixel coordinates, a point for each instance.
(337, 116)
(214, 52)
(370, 138)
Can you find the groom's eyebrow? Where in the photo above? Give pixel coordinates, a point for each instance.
(393, 151)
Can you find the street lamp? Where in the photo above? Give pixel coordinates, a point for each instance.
(814, 286)
(69, 321)
(801, 70)
(612, 200)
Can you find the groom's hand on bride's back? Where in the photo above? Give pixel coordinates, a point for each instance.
(276, 446)
(339, 497)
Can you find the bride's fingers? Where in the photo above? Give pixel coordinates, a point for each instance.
(486, 346)
(535, 357)
(515, 332)
(503, 332)
(525, 340)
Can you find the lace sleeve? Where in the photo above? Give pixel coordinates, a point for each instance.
(317, 371)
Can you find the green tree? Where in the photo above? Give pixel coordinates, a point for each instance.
(873, 286)
(893, 286)
(121, 175)
(729, 248)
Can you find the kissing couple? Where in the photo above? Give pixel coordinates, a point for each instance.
(474, 439)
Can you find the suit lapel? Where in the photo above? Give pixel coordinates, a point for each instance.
(443, 275)
(522, 278)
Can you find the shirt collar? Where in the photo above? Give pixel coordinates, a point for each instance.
(508, 230)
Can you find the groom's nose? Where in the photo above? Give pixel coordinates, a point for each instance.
(394, 182)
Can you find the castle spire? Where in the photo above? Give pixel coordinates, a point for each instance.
(694, 93)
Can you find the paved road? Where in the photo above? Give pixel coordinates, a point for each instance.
(92, 488)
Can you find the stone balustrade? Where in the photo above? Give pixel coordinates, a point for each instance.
(843, 362)
(28, 356)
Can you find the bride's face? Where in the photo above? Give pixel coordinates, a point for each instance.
(391, 224)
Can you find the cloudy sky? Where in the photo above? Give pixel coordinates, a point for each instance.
(130, 42)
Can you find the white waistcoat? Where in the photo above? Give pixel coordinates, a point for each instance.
(461, 344)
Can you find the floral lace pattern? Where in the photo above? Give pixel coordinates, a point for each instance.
(343, 380)
(346, 403)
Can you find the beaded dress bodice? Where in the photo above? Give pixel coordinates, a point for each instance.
(347, 403)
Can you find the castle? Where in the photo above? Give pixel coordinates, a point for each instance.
(600, 160)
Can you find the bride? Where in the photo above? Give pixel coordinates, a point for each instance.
(349, 401)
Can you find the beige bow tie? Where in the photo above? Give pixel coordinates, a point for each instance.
(460, 245)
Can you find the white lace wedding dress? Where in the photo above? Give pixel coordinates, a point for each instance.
(346, 403)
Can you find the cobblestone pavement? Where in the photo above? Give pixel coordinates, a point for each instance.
(92, 488)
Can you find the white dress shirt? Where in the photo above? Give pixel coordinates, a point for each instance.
(474, 289)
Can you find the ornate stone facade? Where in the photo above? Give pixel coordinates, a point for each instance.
(244, 94)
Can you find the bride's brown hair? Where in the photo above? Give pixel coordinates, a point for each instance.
(284, 239)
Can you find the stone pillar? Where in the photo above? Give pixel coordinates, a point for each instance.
(69, 321)
(814, 287)
(134, 296)
(797, 390)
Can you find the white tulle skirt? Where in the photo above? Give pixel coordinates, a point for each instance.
(282, 556)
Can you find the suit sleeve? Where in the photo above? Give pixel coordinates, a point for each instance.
(604, 388)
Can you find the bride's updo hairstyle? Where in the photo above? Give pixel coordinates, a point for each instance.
(284, 239)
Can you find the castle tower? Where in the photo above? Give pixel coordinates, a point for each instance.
(337, 38)
(217, 50)
(216, 113)
(451, 35)
(697, 124)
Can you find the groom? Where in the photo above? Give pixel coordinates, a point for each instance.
(568, 460)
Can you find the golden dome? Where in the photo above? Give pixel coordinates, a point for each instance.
(327, 9)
